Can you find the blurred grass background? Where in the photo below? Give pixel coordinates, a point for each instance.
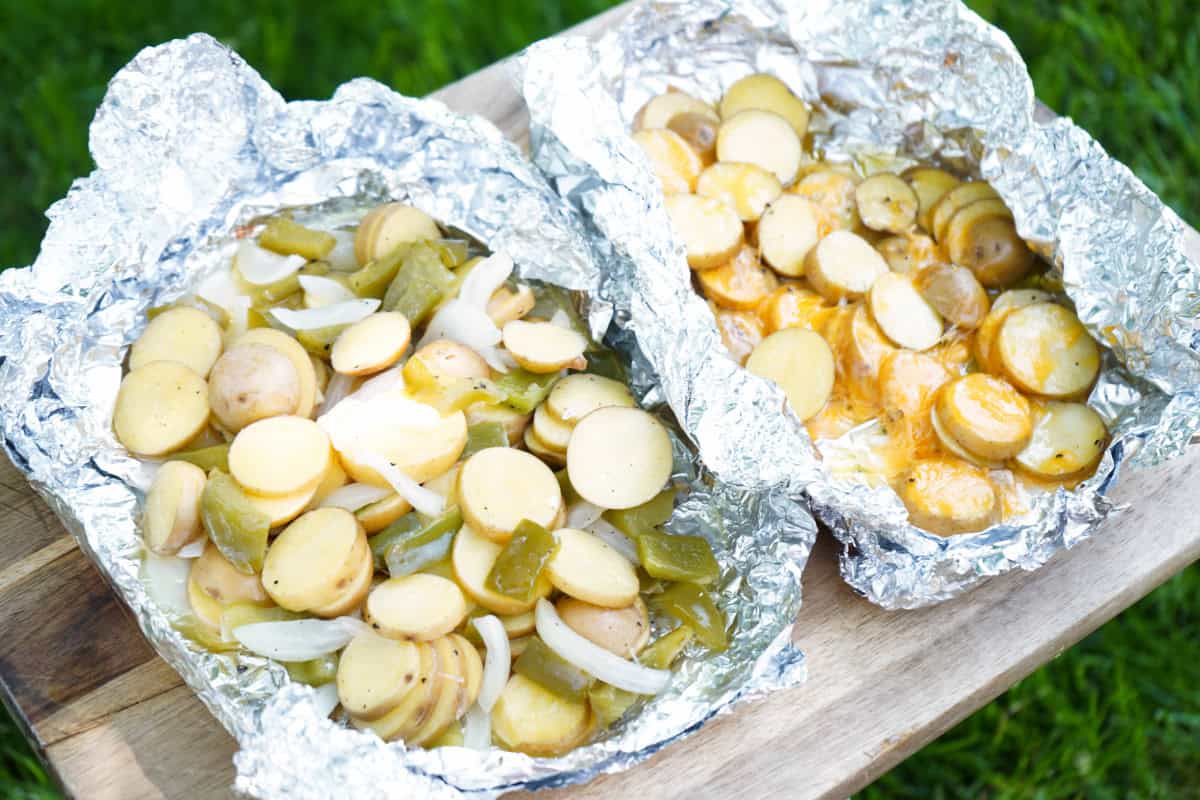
(1117, 716)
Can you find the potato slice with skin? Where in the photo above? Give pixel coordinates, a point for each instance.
(741, 331)
(305, 563)
(372, 344)
(544, 347)
(160, 408)
(530, 719)
(587, 568)
(956, 240)
(224, 583)
(500, 486)
(746, 188)
(414, 707)
(472, 557)
(335, 478)
(711, 232)
(762, 138)
(376, 516)
(514, 422)
(930, 185)
(204, 607)
(675, 163)
(279, 456)
(833, 193)
(859, 347)
(171, 517)
(550, 432)
(619, 457)
(545, 452)
(1045, 349)
(472, 671)
(1019, 298)
(623, 631)
(886, 203)
(787, 233)
(909, 254)
(741, 284)
(985, 415)
(843, 266)
(955, 200)
(799, 362)
(252, 382)
(282, 509)
(955, 293)
(698, 130)
(1068, 442)
(766, 93)
(903, 314)
(353, 587)
(374, 674)
(792, 306)
(182, 334)
(445, 708)
(661, 109)
(505, 305)
(986, 356)
(996, 253)
(389, 226)
(947, 497)
(418, 606)
(954, 448)
(576, 396)
(420, 452)
(295, 353)
(907, 381)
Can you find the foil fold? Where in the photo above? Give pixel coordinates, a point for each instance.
(892, 83)
(192, 146)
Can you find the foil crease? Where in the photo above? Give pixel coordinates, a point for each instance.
(892, 83)
(192, 146)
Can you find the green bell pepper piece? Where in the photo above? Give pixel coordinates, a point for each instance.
(515, 573)
(203, 634)
(403, 560)
(373, 279)
(447, 394)
(453, 252)
(411, 531)
(420, 285)
(237, 528)
(677, 558)
(483, 435)
(524, 390)
(692, 606)
(277, 292)
(206, 458)
(319, 341)
(609, 703)
(317, 672)
(288, 238)
(633, 522)
(662, 652)
(551, 671)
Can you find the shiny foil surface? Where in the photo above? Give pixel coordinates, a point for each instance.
(193, 148)
(891, 83)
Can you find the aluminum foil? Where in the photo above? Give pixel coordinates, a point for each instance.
(192, 146)
(891, 83)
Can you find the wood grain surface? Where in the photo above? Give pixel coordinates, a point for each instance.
(114, 721)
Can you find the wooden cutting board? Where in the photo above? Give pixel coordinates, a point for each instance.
(112, 720)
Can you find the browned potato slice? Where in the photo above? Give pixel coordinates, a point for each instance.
(295, 353)
(957, 237)
(514, 422)
(954, 201)
(586, 568)
(543, 346)
(746, 188)
(414, 706)
(698, 130)
(903, 314)
(378, 515)
(843, 266)
(619, 457)
(930, 185)
(1067, 443)
(623, 631)
(986, 356)
(171, 517)
(887, 203)
(204, 608)
(766, 93)
(996, 253)
(221, 581)
(985, 415)
(660, 110)
(536, 721)
(419, 606)
(306, 562)
(673, 160)
(505, 305)
(576, 396)
(552, 433)
(787, 233)
(372, 344)
(279, 456)
(833, 192)
(909, 254)
(955, 293)
(472, 557)
(946, 497)
(420, 452)
(445, 708)
(252, 382)
(472, 671)
(160, 408)
(389, 226)
(500, 486)
(799, 362)
(711, 231)
(762, 138)
(374, 674)
(741, 331)
(792, 306)
(1045, 349)
(740, 284)
(907, 381)
(182, 334)
(535, 445)
(860, 347)
(353, 588)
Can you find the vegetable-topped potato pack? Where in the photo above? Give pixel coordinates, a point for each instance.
(888, 299)
(404, 465)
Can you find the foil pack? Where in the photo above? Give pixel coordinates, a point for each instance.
(891, 83)
(193, 148)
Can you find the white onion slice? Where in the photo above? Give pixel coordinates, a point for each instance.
(325, 699)
(593, 659)
(477, 728)
(193, 549)
(166, 582)
(431, 504)
(338, 389)
(582, 514)
(484, 279)
(320, 292)
(618, 541)
(341, 258)
(298, 639)
(560, 318)
(260, 267)
(354, 496)
(376, 385)
(311, 319)
(497, 662)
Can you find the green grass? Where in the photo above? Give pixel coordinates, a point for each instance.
(1118, 716)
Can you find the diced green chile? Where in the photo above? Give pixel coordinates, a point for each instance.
(677, 558)
(403, 560)
(412, 531)
(692, 606)
(317, 672)
(524, 390)
(633, 522)
(543, 666)
(662, 652)
(483, 435)
(206, 458)
(374, 278)
(609, 703)
(453, 252)
(420, 285)
(517, 568)
(236, 527)
(287, 237)
(278, 291)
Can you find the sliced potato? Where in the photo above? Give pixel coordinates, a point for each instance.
(224, 583)
(376, 516)
(295, 353)
(505, 305)
(886, 203)
(544, 347)
(587, 568)
(619, 457)
(550, 432)
(787, 233)
(762, 138)
(741, 331)
(252, 382)
(1045, 349)
(372, 344)
(675, 163)
(741, 284)
(930, 185)
(321, 372)
(996, 253)
(284, 508)
(414, 706)
(766, 93)
(576, 396)
(500, 486)
(909, 254)
(352, 588)
(160, 408)
(306, 562)
(279, 456)
(446, 485)
(1068, 442)
(860, 348)
(955, 293)
(472, 672)
(985, 415)
(1019, 298)
(374, 674)
(799, 362)
(335, 478)
(623, 631)
(535, 445)
(182, 334)
(661, 109)
(204, 608)
(903, 314)
(843, 266)
(711, 232)
(957, 237)
(946, 497)
(418, 606)
(698, 130)
(832, 191)
(792, 306)
(986, 356)
(746, 188)
(472, 557)
(952, 446)
(389, 226)
(955, 200)
(171, 517)
(514, 422)
(518, 625)
(445, 708)
(907, 383)
(530, 719)
(420, 452)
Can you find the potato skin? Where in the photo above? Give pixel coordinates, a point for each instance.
(252, 382)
